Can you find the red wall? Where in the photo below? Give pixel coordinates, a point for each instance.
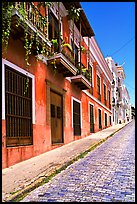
(41, 131)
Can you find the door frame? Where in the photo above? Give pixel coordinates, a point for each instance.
(60, 95)
(61, 91)
(75, 99)
(93, 114)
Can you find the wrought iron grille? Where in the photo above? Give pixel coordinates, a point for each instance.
(105, 120)
(18, 108)
(100, 120)
(91, 119)
(105, 102)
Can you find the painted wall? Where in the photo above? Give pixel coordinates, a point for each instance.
(41, 128)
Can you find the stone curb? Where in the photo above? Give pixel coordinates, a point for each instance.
(38, 181)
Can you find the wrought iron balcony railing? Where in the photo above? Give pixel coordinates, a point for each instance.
(31, 13)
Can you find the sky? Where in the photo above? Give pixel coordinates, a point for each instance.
(113, 24)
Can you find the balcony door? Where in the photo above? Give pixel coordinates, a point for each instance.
(56, 108)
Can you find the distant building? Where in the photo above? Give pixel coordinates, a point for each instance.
(121, 108)
(113, 69)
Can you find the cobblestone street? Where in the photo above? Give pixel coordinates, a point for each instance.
(105, 174)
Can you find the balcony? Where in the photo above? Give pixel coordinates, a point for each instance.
(63, 65)
(81, 82)
(31, 19)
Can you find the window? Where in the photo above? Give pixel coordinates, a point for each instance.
(18, 108)
(53, 28)
(98, 87)
(91, 118)
(76, 118)
(99, 116)
(109, 99)
(104, 94)
(110, 120)
(105, 119)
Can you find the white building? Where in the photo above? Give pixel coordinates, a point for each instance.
(121, 107)
(113, 69)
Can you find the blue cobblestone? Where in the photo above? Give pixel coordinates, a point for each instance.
(106, 174)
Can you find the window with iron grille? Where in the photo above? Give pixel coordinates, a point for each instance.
(109, 98)
(105, 119)
(18, 108)
(91, 118)
(76, 118)
(110, 120)
(98, 84)
(99, 116)
(104, 94)
(98, 88)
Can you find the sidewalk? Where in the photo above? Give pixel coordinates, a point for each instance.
(26, 175)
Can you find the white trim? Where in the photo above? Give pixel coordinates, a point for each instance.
(89, 110)
(74, 99)
(92, 97)
(13, 66)
(100, 109)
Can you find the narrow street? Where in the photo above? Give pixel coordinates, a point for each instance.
(105, 174)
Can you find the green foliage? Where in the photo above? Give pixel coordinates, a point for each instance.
(55, 43)
(7, 8)
(67, 45)
(74, 13)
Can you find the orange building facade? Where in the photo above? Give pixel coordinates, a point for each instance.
(68, 96)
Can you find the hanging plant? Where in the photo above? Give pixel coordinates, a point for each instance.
(7, 8)
(28, 48)
(37, 44)
(55, 44)
(74, 13)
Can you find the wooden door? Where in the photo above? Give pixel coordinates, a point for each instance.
(91, 119)
(56, 117)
